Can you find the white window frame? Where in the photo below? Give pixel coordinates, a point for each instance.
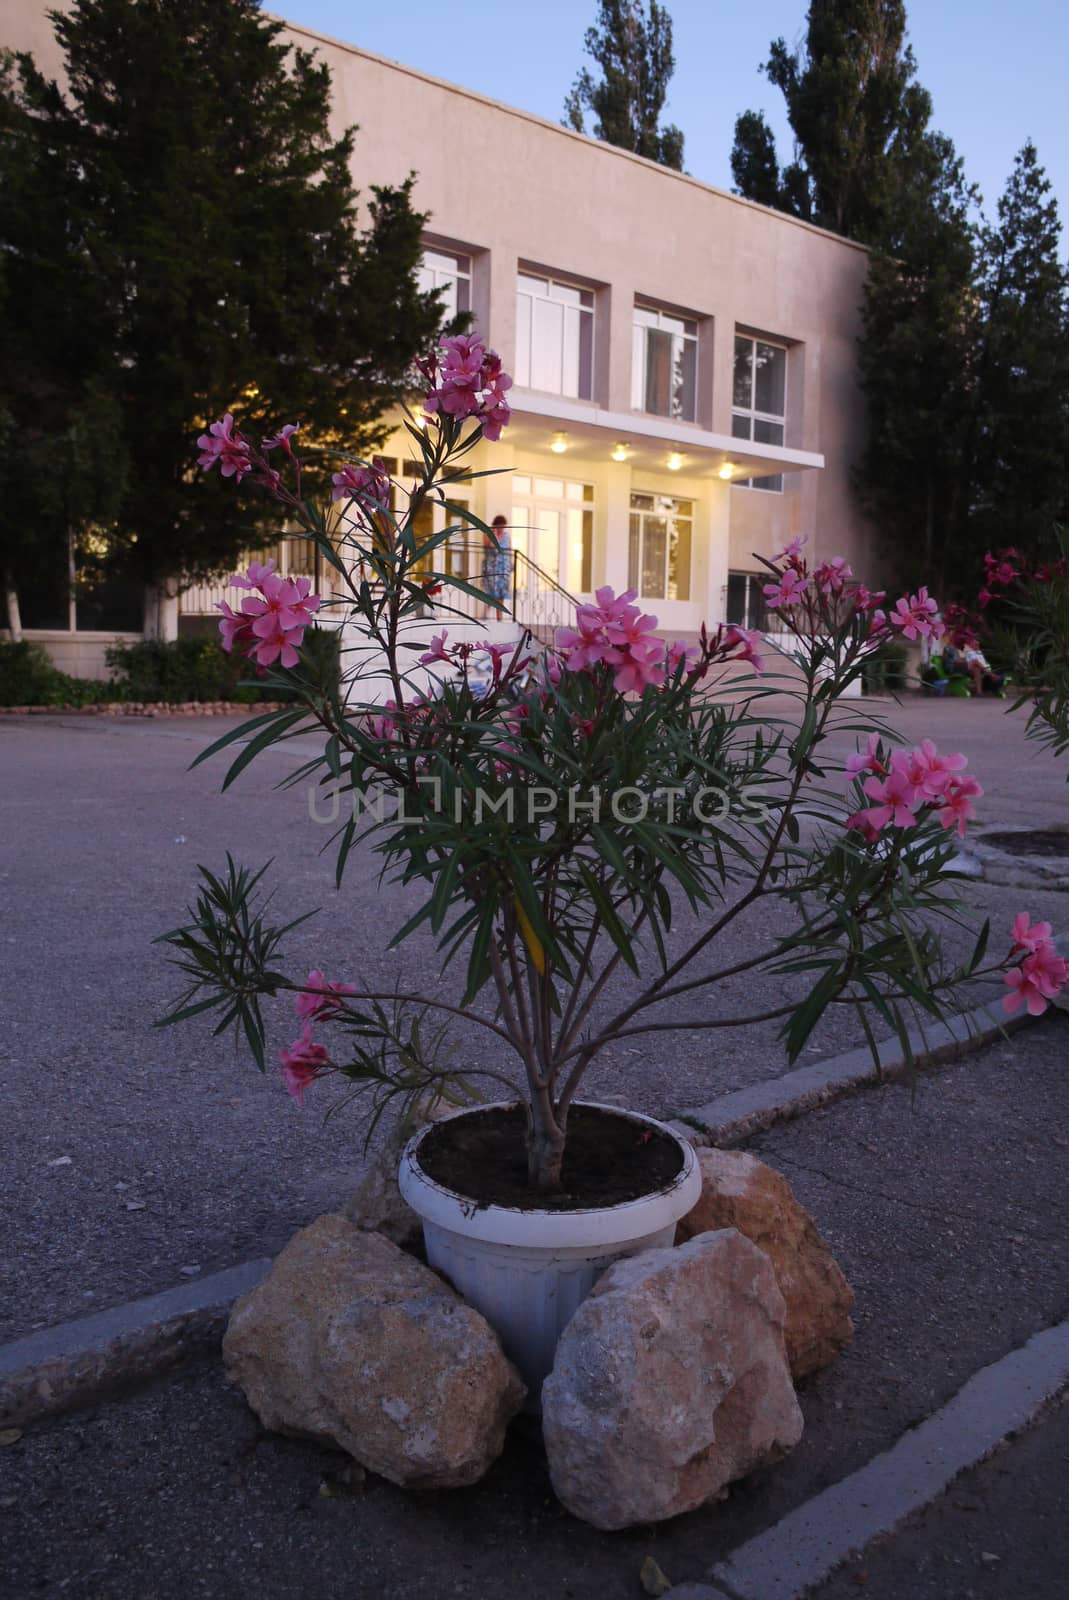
(774, 483)
(572, 312)
(449, 270)
(637, 566)
(662, 322)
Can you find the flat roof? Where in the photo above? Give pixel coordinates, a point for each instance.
(612, 150)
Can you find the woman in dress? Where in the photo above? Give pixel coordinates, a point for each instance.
(497, 568)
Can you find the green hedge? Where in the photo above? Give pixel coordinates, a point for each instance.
(171, 673)
(884, 671)
(28, 678)
(181, 670)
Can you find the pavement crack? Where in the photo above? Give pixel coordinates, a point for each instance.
(996, 1224)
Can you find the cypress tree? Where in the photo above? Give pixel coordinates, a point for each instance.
(633, 48)
(1019, 463)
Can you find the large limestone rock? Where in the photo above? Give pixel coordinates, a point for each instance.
(351, 1342)
(738, 1191)
(670, 1381)
(377, 1203)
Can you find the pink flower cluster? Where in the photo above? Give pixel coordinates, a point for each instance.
(908, 783)
(467, 381)
(1041, 972)
(304, 1060)
(615, 632)
(368, 486)
(502, 665)
(801, 593)
(1007, 567)
(230, 449)
(914, 616)
(271, 623)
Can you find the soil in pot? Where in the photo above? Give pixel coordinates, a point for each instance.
(608, 1159)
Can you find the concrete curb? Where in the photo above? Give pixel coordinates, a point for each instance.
(811, 1542)
(735, 1117)
(78, 1363)
(150, 708)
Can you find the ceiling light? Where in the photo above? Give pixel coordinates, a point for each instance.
(620, 452)
(559, 443)
(727, 471)
(674, 462)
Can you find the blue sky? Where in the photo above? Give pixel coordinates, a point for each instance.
(996, 72)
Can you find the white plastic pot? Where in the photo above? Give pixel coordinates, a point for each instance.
(528, 1271)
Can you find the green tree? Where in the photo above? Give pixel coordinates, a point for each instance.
(1019, 461)
(857, 115)
(216, 212)
(917, 362)
(62, 457)
(633, 48)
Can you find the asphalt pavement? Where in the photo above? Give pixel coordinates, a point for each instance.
(947, 1207)
(136, 1158)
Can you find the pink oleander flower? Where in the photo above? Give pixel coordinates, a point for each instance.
(285, 601)
(930, 771)
(1027, 938)
(793, 551)
(463, 355)
(235, 630)
(867, 760)
(256, 575)
(281, 439)
(862, 823)
(788, 590)
(500, 654)
(630, 629)
(744, 642)
(303, 1062)
(1039, 978)
(636, 667)
(588, 643)
(221, 444)
(867, 599)
(915, 616)
(680, 654)
(468, 381)
(369, 486)
(896, 798)
(955, 801)
(437, 651)
(831, 577)
(324, 1003)
(277, 642)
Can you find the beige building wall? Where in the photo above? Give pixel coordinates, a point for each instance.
(510, 190)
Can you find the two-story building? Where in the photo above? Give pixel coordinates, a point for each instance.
(684, 362)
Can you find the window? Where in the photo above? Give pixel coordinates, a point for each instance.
(746, 600)
(554, 337)
(659, 551)
(441, 269)
(664, 364)
(553, 526)
(759, 399)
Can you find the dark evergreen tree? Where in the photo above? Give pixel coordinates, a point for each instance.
(214, 210)
(1019, 462)
(858, 118)
(633, 47)
(917, 361)
(62, 456)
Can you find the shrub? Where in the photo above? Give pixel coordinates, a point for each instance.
(884, 671)
(180, 670)
(28, 678)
